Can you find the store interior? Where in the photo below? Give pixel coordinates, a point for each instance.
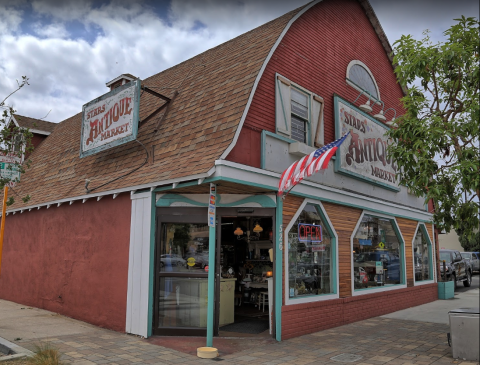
(246, 262)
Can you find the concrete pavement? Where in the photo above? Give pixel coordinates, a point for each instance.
(396, 339)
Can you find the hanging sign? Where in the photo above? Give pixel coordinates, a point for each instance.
(211, 205)
(111, 119)
(378, 267)
(9, 169)
(364, 154)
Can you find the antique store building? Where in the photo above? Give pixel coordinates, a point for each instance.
(116, 234)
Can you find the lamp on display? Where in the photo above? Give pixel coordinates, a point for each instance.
(249, 237)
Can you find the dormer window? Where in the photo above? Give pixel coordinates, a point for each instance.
(360, 78)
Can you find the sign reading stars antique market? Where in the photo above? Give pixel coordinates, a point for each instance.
(111, 119)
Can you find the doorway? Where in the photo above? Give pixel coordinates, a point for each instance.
(245, 261)
(243, 268)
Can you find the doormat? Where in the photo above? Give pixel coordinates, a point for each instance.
(252, 326)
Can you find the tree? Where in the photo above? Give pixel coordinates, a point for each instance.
(436, 141)
(472, 244)
(14, 141)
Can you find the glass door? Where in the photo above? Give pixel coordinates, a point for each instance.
(181, 268)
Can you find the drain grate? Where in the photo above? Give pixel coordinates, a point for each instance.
(346, 358)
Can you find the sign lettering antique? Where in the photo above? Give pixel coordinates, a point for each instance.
(364, 154)
(111, 119)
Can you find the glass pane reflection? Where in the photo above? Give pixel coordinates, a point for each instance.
(183, 302)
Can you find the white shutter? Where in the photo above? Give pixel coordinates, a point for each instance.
(282, 106)
(317, 121)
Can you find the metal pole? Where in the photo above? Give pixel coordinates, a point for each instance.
(279, 246)
(211, 285)
(2, 229)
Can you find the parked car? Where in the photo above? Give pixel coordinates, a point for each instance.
(390, 264)
(172, 260)
(474, 258)
(457, 268)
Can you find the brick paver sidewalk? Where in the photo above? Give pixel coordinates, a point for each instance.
(378, 341)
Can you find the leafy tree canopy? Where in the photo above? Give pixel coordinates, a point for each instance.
(437, 140)
(14, 142)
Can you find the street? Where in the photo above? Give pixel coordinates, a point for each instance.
(475, 284)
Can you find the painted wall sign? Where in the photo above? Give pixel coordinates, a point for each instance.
(111, 119)
(211, 205)
(364, 153)
(309, 233)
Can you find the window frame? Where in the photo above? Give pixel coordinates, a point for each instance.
(314, 139)
(403, 264)
(358, 87)
(431, 271)
(334, 259)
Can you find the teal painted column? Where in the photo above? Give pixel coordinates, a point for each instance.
(211, 285)
(278, 268)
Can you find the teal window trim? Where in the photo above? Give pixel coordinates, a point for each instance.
(423, 228)
(401, 242)
(152, 266)
(334, 258)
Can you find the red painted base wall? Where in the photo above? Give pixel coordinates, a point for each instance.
(71, 259)
(306, 318)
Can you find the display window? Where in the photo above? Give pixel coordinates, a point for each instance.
(311, 255)
(378, 254)
(422, 255)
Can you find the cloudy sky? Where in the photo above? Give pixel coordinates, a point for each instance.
(69, 49)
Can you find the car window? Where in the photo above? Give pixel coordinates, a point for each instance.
(445, 256)
(466, 255)
(459, 257)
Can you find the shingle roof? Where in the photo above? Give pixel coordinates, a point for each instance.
(33, 123)
(214, 88)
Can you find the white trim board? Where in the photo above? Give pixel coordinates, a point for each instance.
(260, 74)
(139, 265)
(432, 262)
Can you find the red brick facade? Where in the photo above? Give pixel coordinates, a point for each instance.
(306, 318)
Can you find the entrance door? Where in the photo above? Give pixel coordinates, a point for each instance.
(244, 241)
(181, 284)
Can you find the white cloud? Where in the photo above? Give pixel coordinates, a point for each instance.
(56, 30)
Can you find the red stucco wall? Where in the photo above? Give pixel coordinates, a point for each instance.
(71, 259)
(315, 53)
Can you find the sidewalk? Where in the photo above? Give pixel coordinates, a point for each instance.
(393, 339)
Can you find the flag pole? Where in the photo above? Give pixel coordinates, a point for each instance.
(2, 228)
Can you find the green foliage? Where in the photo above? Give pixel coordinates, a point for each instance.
(14, 141)
(437, 140)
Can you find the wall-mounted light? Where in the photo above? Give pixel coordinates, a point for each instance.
(391, 122)
(379, 116)
(365, 107)
(257, 229)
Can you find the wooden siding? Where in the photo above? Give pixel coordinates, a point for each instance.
(291, 205)
(344, 220)
(408, 227)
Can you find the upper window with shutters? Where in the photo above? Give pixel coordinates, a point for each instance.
(298, 113)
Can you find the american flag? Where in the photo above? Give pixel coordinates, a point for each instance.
(308, 165)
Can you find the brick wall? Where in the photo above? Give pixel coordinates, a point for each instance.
(302, 319)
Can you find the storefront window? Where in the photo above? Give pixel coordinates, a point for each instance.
(310, 255)
(377, 254)
(184, 247)
(422, 256)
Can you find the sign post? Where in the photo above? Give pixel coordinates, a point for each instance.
(211, 264)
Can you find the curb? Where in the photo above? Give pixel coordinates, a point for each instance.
(18, 351)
